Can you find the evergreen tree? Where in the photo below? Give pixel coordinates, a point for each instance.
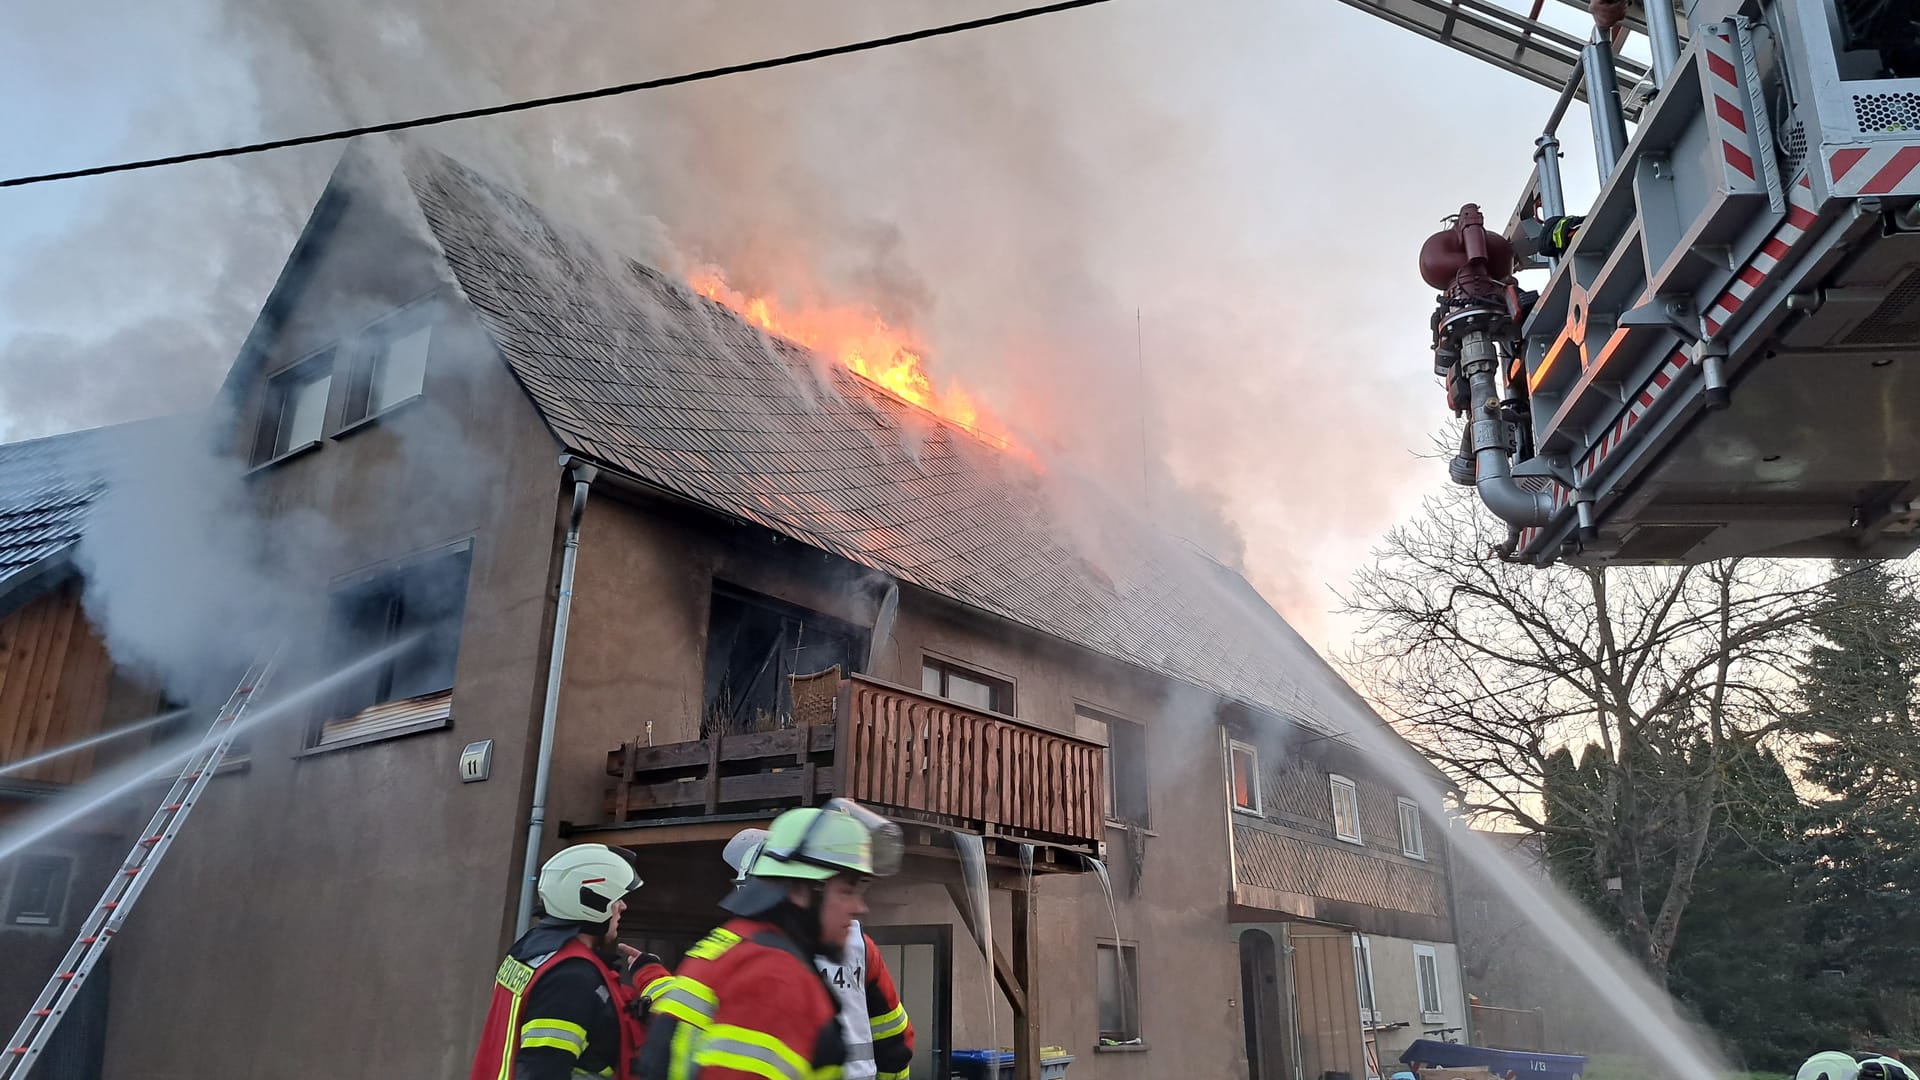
(1861, 749)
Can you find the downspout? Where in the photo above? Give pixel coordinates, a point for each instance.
(583, 476)
(1453, 924)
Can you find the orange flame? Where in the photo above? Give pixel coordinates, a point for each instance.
(862, 342)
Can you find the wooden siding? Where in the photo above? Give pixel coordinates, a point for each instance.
(1271, 859)
(55, 675)
(1327, 1003)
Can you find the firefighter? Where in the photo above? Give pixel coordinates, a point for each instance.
(569, 999)
(747, 1002)
(874, 1023)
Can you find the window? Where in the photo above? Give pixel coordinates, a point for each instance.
(1119, 979)
(1245, 762)
(1346, 809)
(1426, 973)
(296, 409)
(754, 643)
(1413, 843)
(1127, 795)
(419, 604)
(391, 366)
(39, 895)
(1363, 978)
(964, 687)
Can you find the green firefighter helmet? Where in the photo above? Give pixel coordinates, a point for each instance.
(814, 844)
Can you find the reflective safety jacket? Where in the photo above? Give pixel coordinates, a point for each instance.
(874, 1024)
(562, 1014)
(746, 1004)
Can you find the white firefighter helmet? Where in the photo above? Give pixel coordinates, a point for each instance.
(741, 849)
(581, 883)
(1884, 1068)
(1829, 1065)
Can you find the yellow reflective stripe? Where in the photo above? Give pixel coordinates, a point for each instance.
(654, 988)
(680, 1052)
(687, 1000)
(506, 1052)
(834, 1072)
(747, 1050)
(901, 1075)
(714, 944)
(890, 1023)
(749, 1062)
(558, 1034)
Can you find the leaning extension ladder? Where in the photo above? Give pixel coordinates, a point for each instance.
(104, 921)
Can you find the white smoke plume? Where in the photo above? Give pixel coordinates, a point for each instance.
(1017, 195)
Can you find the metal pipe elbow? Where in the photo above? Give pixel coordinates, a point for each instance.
(1504, 496)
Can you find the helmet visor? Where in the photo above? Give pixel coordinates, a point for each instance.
(888, 842)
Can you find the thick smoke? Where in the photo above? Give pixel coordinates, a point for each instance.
(1017, 194)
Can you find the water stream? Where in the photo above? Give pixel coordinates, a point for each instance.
(92, 740)
(104, 789)
(1119, 954)
(973, 868)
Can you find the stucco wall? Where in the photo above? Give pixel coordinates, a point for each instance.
(340, 913)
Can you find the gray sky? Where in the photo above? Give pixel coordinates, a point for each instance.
(1253, 177)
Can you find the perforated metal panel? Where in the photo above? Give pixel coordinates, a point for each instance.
(1887, 112)
(1793, 147)
(1897, 320)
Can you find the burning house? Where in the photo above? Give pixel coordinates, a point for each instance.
(1135, 829)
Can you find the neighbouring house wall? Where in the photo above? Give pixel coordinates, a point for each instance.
(1396, 994)
(1290, 862)
(55, 681)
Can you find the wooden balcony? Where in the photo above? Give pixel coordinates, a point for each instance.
(919, 759)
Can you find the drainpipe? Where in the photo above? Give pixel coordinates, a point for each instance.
(583, 476)
(1494, 473)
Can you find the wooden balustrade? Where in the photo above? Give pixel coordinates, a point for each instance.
(898, 750)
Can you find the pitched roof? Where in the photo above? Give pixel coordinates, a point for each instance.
(631, 369)
(45, 488)
(48, 485)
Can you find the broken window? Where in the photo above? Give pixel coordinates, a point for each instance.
(1126, 770)
(296, 408)
(965, 687)
(39, 893)
(416, 607)
(1119, 985)
(754, 643)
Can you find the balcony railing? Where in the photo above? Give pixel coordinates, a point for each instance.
(905, 753)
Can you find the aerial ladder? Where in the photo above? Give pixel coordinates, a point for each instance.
(105, 918)
(1724, 356)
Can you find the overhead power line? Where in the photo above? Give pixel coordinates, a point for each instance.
(564, 99)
